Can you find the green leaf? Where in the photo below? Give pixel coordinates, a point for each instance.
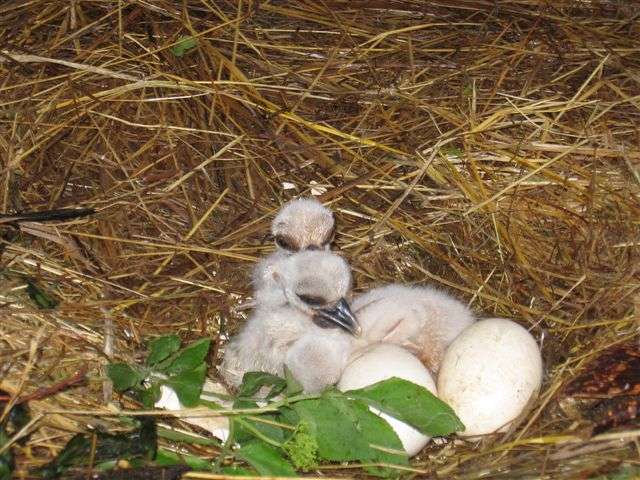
(452, 151)
(266, 459)
(293, 386)
(74, 452)
(411, 404)
(238, 471)
(189, 357)
(246, 429)
(188, 385)
(106, 466)
(19, 416)
(185, 44)
(252, 382)
(124, 376)
(40, 297)
(7, 463)
(141, 442)
(149, 396)
(240, 433)
(383, 441)
(287, 415)
(166, 458)
(346, 429)
(176, 436)
(162, 347)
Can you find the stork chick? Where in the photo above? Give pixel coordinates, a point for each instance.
(301, 224)
(306, 324)
(423, 320)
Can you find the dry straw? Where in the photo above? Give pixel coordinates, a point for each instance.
(489, 148)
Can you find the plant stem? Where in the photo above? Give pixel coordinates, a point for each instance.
(257, 433)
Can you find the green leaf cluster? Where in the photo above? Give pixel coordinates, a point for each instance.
(183, 370)
(299, 432)
(287, 430)
(346, 430)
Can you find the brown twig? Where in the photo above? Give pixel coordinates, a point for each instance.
(46, 392)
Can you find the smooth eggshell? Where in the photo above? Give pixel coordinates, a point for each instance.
(217, 426)
(380, 362)
(168, 399)
(489, 373)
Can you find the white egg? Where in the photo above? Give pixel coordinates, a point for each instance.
(217, 426)
(168, 399)
(489, 373)
(382, 361)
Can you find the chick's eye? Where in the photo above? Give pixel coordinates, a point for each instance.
(312, 300)
(285, 243)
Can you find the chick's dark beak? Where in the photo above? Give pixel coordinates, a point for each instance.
(341, 315)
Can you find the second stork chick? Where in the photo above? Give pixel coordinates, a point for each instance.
(301, 224)
(423, 320)
(305, 323)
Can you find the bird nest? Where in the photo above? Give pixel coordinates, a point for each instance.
(488, 148)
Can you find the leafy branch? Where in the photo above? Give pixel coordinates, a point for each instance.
(283, 431)
(183, 370)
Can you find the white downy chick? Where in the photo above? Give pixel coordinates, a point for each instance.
(306, 324)
(301, 224)
(423, 320)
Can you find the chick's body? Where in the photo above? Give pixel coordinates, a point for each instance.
(278, 336)
(301, 320)
(263, 343)
(423, 320)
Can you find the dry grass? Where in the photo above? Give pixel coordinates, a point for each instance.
(489, 148)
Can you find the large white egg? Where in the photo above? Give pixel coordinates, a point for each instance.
(380, 362)
(489, 373)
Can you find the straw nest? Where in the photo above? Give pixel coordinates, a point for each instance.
(489, 148)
